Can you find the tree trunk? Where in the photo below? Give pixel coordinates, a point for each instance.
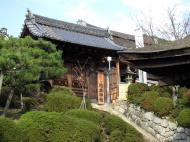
(1, 82)
(21, 102)
(175, 95)
(8, 102)
(83, 103)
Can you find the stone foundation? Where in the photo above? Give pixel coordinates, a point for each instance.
(163, 129)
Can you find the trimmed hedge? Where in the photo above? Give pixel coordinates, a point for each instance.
(184, 118)
(89, 115)
(147, 100)
(186, 99)
(182, 91)
(55, 127)
(163, 106)
(9, 132)
(61, 100)
(112, 122)
(135, 90)
(120, 131)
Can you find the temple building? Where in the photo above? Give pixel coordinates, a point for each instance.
(169, 61)
(89, 52)
(108, 60)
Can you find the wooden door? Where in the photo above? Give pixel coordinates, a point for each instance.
(113, 84)
(100, 91)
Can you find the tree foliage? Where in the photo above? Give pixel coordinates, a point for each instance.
(25, 61)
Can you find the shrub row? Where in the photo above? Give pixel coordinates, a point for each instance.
(74, 125)
(158, 99)
(9, 132)
(63, 99)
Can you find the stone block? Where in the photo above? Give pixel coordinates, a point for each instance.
(149, 116)
(187, 131)
(157, 120)
(169, 134)
(121, 110)
(164, 123)
(177, 136)
(151, 131)
(188, 138)
(172, 126)
(180, 130)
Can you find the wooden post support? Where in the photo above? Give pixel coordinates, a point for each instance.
(118, 76)
(100, 82)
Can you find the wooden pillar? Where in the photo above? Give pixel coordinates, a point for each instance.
(100, 82)
(118, 76)
(69, 79)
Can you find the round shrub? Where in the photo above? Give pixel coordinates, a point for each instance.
(112, 122)
(184, 118)
(56, 127)
(117, 136)
(186, 99)
(135, 90)
(62, 100)
(175, 112)
(163, 106)
(147, 100)
(182, 91)
(154, 88)
(119, 130)
(9, 132)
(93, 116)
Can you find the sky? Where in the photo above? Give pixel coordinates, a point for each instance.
(119, 15)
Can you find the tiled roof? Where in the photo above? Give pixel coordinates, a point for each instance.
(161, 47)
(68, 32)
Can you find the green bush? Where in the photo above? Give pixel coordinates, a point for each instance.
(61, 100)
(135, 90)
(9, 132)
(66, 90)
(120, 131)
(147, 100)
(93, 116)
(182, 91)
(163, 106)
(56, 127)
(184, 118)
(175, 112)
(112, 122)
(186, 98)
(29, 103)
(117, 136)
(154, 88)
(163, 91)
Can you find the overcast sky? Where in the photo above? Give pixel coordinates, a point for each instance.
(119, 15)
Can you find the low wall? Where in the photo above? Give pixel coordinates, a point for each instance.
(163, 129)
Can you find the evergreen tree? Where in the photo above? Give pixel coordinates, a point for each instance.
(24, 62)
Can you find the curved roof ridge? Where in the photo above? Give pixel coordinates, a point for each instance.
(66, 25)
